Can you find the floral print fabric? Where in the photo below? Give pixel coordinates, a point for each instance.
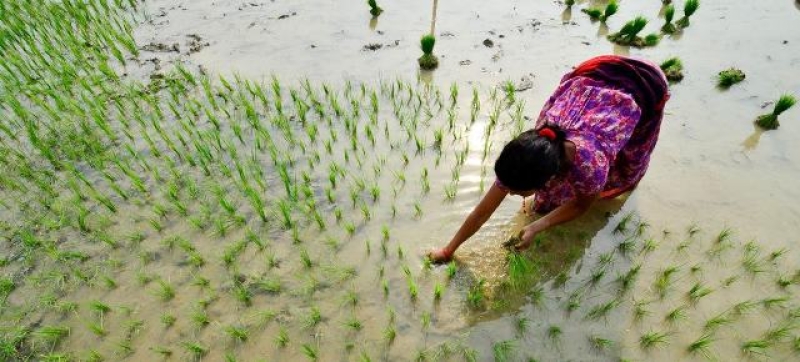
(612, 146)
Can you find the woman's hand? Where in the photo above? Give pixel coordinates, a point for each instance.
(439, 256)
(527, 235)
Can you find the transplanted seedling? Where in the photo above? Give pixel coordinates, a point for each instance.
(702, 346)
(503, 350)
(673, 69)
(770, 121)
(729, 77)
(428, 61)
(629, 34)
(652, 339)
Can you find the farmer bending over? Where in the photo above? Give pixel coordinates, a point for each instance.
(592, 140)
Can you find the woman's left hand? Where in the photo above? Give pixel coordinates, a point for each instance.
(526, 237)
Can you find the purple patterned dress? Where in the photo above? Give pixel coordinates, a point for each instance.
(612, 146)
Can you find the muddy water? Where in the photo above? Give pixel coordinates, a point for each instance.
(709, 170)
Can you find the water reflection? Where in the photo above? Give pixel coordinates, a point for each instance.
(566, 15)
(602, 30)
(484, 267)
(751, 142)
(373, 23)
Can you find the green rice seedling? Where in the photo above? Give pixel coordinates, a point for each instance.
(664, 280)
(676, 315)
(742, 308)
(51, 335)
(554, 332)
(237, 333)
(569, 3)
(673, 69)
(168, 320)
(594, 13)
(521, 325)
(721, 319)
(310, 351)
(243, 295)
(781, 332)
(689, 8)
(412, 288)
(200, 318)
(770, 121)
(755, 347)
(417, 210)
(451, 270)
(698, 291)
(438, 290)
(475, 296)
(97, 329)
(773, 256)
(600, 343)
(503, 350)
(389, 333)
(775, 302)
(669, 15)
(640, 310)
(652, 339)
(629, 34)
(601, 310)
(428, 61)
(610, 9)
(354, 324)
(622, 225)
(165, 291)
(595, 276)
(729, 77)
(702, 346)
(196, 349)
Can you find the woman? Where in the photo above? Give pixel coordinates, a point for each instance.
(592, 140)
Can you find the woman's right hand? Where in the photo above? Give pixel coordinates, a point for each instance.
(439, 256)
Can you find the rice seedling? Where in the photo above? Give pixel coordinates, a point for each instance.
(629, 34)
(165, 290)
(569, 3)
(673, 69)
(602, 15)
(775, 302)
(475, 295)
(755, 347)
(698, 291)
(310, 351)
(601, 310)
(554, 332)
(676, 315)
(742, 308)
(622, 225)
(503, 350)
(97, 329)
(451, 270)
(640, 310)
(243, 295)
(428, 61)
(168, 320)
(781, 332)
(669, 15)
(770, 121)
(282, 339)
(51, 335)
(652, 339)
(664, 280)
(729, 77)
(689, 8)
(237, 333)
(702, 346)
(600, 343)
(389, 333)
(196, 349)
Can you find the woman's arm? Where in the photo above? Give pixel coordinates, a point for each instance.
(485, 208)
(564, 213)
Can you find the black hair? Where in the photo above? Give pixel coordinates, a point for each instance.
(530, 159)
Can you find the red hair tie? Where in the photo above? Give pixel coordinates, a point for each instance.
(547, 133)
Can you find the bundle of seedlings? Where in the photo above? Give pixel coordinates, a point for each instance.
(629, 34)
(689, 8)
(770, 121)
(673, 69)
(569, 3)
(428, 61)
(602, 15)
(729, 77)
(669, 14)
(374, 9)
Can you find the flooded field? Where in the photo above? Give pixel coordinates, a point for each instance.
(261, 181)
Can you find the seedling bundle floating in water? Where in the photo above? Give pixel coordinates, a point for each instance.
(729, 77)
(770, 121)
(428, 61)
(689, 8)
(602, 14)
(629, 34)
(673, 69)
(374, 9)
